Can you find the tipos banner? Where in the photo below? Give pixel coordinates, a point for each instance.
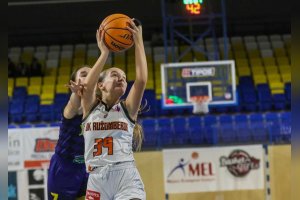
(213, 169)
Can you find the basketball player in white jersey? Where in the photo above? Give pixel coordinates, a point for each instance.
(109, 126)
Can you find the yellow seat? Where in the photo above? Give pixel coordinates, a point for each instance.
(277, 91)
(242, 62)
(276, 85)
(258, 70)
(11, 82)
(49, 80)
(255, 62)
(50, 71)
(286, 77)
(279, 52)
(79, 53)
(22, 82)
(48, 88)
(254, 53)
(271, 69)
(201, 57)
(260, 79)
(77, 62)
(283, 60)
(274, 77)
(65, 62)
(120, 60)
(91, 60)
(240, 54)
(34, 89)
(150, 85)
(64, 71)
(35, 81)
(269, 61)
(284, 69)
(245, 71)
(63, 79)
(238, 46)
(62, 89)
(47, 98)
(131, 76)
(26, 57)
(10, 91)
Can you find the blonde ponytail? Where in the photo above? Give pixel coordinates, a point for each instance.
(138, 137)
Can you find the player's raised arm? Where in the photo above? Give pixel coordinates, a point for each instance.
(134, 98)
(92, 78)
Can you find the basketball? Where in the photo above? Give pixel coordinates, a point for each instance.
(117, 37)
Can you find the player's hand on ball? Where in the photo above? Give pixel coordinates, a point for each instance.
(100, 41)
(75, 87)
(137, 31)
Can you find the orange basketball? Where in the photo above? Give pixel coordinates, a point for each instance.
(116, 36)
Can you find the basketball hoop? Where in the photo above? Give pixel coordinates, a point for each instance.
(200, 104)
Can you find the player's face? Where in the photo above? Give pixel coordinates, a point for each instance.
(115, 81)
(82, 73)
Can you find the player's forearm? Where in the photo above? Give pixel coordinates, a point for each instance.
(72, 106)
(93, 75)
(141, 64)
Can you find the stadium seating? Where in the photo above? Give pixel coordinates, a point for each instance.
(263, 74)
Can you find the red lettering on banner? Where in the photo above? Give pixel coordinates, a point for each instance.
(45, 145)
(92, 195)
(203, 169)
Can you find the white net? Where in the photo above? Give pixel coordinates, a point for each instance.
(200, 104)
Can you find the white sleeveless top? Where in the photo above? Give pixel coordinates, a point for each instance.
(107, 136)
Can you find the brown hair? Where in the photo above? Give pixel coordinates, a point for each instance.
(73, 75)
(138, 133)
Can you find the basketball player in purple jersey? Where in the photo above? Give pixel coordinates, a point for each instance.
(67, 178)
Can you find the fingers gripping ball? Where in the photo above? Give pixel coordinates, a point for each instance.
(116, 36)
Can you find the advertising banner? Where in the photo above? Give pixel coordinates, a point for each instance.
(15, 150)
(213, 169)
(39, 145)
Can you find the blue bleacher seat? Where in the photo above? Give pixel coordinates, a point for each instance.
(243, 132)
(40, 125)
(210, 120)
(264, 97)
(31, 111)
(19, 93)
(196, 135)
(46, 113)
(225, 119)
(259, 132)
(181, 132)
(194, 121)
(241, 118)
(33, 99)
(256, 118)
(165, 131)
(11, 126)
(286, 117)
(249, 100)
(181, 135)
(25, 126)
(272, 117)
(227, 133)
(16, 112)
(150, 132)
(210, 134)
(279, 101)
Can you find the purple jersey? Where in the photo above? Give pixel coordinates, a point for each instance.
(70, 144)
(67, 177)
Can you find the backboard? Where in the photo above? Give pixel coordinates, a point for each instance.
(181, 81)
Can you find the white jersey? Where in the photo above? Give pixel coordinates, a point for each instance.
(107, 136)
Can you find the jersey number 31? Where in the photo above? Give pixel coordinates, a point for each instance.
(103, 143)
